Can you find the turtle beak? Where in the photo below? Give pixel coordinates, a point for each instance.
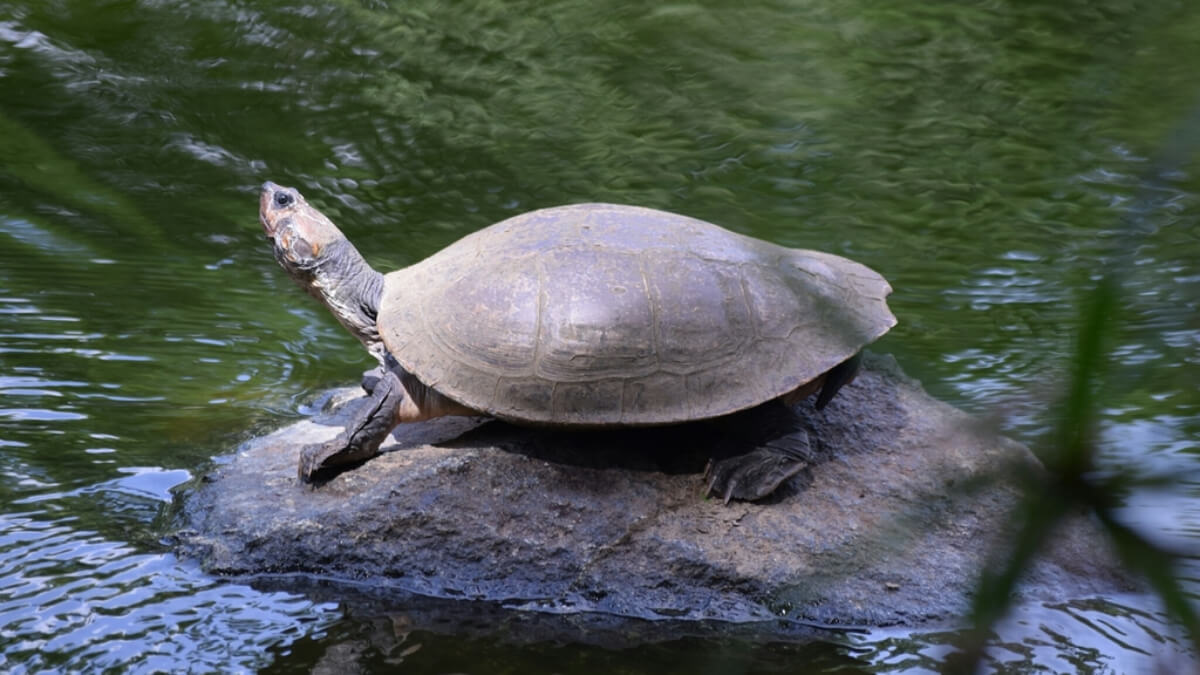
(266, 198)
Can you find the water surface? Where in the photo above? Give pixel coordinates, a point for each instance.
(982, 156)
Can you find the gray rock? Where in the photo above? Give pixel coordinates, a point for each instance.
(904, 501)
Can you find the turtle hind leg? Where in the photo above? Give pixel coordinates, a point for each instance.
(360, 441)
(757, 474)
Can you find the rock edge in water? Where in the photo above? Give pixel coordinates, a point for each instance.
(890, 524)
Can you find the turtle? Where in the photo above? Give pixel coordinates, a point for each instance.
(586, 316)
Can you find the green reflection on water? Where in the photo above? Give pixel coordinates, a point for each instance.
(977, 154)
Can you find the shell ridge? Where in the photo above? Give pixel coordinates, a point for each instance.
(535, 366)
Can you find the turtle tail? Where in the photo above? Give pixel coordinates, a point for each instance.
(839, 376)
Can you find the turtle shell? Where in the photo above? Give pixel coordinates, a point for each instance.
(598, 314)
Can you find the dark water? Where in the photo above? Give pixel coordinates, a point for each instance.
(980, 155)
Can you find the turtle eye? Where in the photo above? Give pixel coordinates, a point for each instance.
(283, 199)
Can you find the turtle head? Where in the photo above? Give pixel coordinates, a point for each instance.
(302, 236)
(316, 254)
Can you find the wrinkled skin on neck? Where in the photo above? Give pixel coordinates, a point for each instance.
(319, 258)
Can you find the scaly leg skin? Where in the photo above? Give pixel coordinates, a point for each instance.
(363, 434)
(758, 473)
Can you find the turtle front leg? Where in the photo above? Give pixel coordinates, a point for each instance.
(371, 378)
(363, 434)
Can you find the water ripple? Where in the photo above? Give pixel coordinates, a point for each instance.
(979, 155)
(1090, 635)
(73, 600)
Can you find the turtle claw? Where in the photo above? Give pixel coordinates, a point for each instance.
(312, 460)
(757, 474)
(751, 476)
(711, 476)
(320, 462)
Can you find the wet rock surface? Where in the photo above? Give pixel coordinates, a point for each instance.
(904, 500)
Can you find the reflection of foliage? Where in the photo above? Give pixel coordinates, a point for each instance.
(979, 136)
(899, 133)
(1073, 482)
(596, 101)
(33, 168)
(909, 130)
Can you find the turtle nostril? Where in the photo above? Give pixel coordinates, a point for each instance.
(283, 199)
